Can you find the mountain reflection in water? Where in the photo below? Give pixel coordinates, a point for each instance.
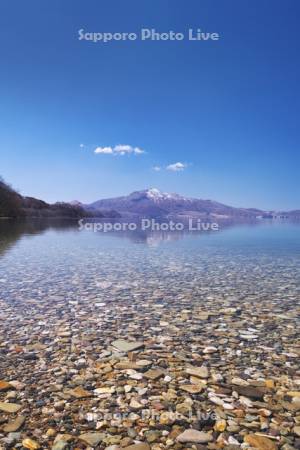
(11, 231)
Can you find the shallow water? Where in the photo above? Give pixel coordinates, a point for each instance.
(223, 300)
(38, 259)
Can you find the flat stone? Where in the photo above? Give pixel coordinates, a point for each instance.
(142, 363)
(135, 404)
(154, 374)
(194, 436)
(79, 392)
(260, 442)
(92, 439)
(249, 391)
(126, 365)
(127, 346)
(17, 385)
(209, 350)
(64, 437)
(200, 372)
(9, 407)
(192, 388)
(133, 365)
(109, 390)
(142, 446)
(239, 381)
(15, 425)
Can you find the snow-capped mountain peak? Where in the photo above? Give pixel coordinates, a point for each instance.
(154, 193)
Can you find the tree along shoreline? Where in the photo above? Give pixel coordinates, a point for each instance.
(15, 206)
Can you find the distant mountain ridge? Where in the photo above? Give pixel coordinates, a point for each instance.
(150, 203)
(154, 203)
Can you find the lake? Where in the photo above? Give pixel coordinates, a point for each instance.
(51, 256)
(97, 328)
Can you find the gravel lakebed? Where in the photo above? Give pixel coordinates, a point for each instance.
(166, 358)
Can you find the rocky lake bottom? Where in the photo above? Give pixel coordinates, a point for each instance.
(150, 342)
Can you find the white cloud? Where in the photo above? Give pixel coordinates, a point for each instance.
(177, 167)
(81, 145)
(104, 150)
(120, 149)
(138, 151)
(156, 168)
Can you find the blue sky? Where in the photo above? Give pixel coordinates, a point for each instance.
(227, 110)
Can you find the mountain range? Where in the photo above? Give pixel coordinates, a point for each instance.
(150, 203)
(154, 203)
